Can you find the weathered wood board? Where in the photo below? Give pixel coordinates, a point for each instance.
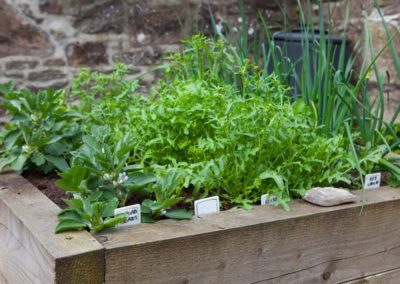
(310, 244)
(388, 277)
(30, 252)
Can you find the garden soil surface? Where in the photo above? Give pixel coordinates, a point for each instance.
(46, 184)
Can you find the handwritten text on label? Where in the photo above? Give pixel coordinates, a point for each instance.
(267, 199)
(372, 181)
(133, 213)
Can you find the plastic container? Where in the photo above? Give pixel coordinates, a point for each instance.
(291, 46)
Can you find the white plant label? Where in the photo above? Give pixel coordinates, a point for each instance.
(372, 181)
(133, 212)
(267, 199)
(206, 206)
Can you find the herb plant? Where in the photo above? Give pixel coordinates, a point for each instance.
(101, 180)
(42, 130)
(217, 123)
(338, 95)
(105, 98)
(167, 193)
(237, 147)
(89, 213)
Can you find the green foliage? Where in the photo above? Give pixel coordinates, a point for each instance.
(392, 138)
(218, 62)
(230, 132)
(107, 162)
(89, 213)
(42, 130)
(105, 98)
(217, 124)
(237, 147)
(100, 176)
(329, 83)
(167, 193)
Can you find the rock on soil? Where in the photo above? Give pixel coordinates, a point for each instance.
(329, 196)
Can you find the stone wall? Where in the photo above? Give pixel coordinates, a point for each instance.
(45, 42)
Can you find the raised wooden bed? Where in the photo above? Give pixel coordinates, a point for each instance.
(266, 245)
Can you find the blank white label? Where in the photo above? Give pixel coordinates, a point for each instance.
(205, 206)
(133, 212)
(267, 199)
(372, 181)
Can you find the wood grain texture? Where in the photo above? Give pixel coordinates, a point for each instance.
(388, 277)
(30, 251)
(310, 244)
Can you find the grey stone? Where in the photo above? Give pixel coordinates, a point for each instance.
(87, 54)
(329, 196)
(146, 56)
(107, 17)
(21, 64)
(17, 37)
(55, 62)
(46, 75)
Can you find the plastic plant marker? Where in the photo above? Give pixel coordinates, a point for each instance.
(267, 199)
(372, 181)
(133, 212)
(206, 206)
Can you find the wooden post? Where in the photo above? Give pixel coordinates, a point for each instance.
(30, 251)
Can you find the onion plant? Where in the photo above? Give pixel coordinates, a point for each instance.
(339, 95)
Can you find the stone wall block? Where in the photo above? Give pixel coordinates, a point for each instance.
(64, 35)
(87, 54)
(55, 85)
(146, 56)
(21, 64)
(18, 37)
(56, 62)
(155, 24)
(46, 75)
(107, 17)
(14, 75)
(385, 61)
(64, 7)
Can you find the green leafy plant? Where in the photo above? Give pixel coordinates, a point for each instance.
(337, 93)
(42, 132)
(218, 123)
(107, 161)
(231, 144)
(101, 179)
(105, 98)
(89, 213)
(167, 193)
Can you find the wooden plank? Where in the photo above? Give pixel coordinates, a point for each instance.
(310, 244)
(31, 252)
(388, 277)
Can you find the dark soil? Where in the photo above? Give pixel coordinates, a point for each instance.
(46, 184)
